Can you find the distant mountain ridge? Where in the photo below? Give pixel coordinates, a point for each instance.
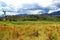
(54, 13)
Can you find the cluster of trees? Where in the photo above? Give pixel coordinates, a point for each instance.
(31, 18)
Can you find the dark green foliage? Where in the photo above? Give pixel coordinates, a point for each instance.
(31, 18)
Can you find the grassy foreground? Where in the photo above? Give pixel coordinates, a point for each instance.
(30, 30)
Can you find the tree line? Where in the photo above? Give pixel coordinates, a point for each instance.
(30, 18)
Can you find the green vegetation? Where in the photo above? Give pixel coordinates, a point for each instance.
(31, 27)
(31, 18)
(12, 23)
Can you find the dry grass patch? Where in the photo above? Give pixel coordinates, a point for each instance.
(30, 32)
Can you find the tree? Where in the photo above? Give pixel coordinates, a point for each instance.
(4, 15)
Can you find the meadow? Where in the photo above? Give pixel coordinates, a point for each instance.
(29, 30)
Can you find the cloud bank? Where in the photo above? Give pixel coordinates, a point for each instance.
(30, 6)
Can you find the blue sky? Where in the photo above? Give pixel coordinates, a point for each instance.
(15, 5)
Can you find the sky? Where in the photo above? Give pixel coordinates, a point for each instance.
(17, 3)
(14, 5)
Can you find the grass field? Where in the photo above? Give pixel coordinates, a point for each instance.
(29, 30)
(12, 23)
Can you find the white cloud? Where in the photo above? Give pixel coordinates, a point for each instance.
(18, 3)
(43, 3)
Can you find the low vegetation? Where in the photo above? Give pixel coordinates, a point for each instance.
(32, 27)
(29, 30)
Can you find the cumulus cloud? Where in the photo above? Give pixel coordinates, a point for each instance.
(3, 4)
(55, 6)
(28, 6)
(18, 3)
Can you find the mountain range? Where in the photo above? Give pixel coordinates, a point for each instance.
(54, 13)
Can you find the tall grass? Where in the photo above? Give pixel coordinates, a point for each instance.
(32, 30)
